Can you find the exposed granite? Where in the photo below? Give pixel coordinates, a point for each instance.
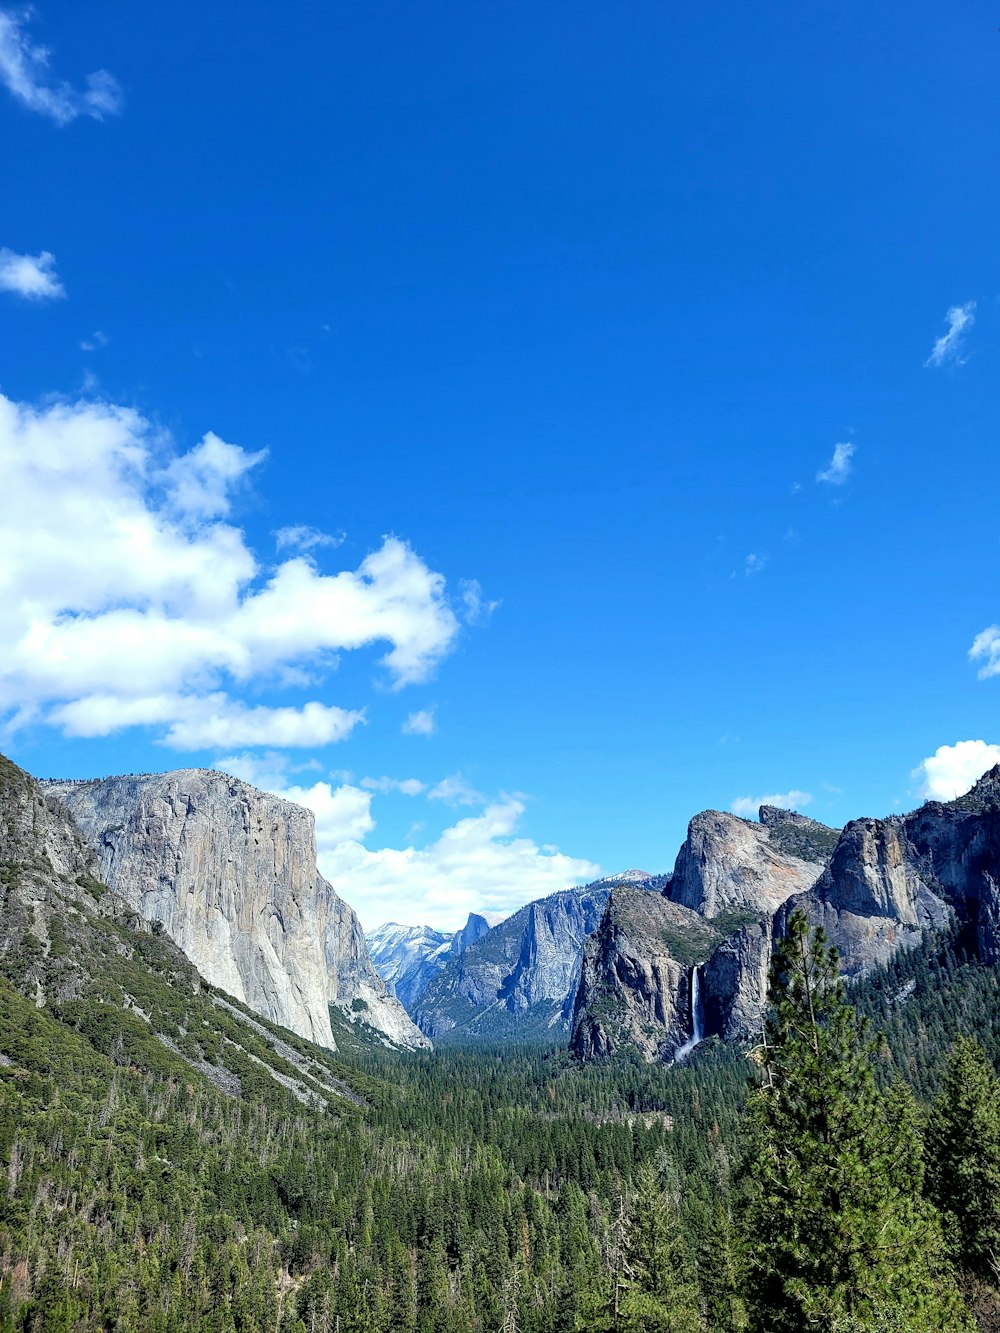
(230, 873)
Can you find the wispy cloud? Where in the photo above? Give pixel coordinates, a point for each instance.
(454, 790)
(32, 276)
(24, 70)
(405, 786)
(303, 538)
(754, 564)
(986, 650)
(420, 723)
(96, 340)
(840, 465)
(747, 806)
(952, 769)
(475, 607)
(948, 347)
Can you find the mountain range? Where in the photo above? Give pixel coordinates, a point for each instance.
(634, 961)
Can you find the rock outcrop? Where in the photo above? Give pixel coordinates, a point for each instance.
(716, 914)
(230, 873)
(727, 864)
(637, 983)
(519, 979)
(877, 887)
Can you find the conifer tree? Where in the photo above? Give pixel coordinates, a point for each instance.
(963, 1169)
(838, 1233)
(661, 1288)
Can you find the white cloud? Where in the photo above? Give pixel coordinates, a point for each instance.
(840, 465)
(32, 276)
(952, 769)
(96, 340)
(405, 786)
(303, 538)
(476, 608)
(949, 346)
(199, 482)
(478, 864)
(343, 814)
(127, 599)
(747, 806)
(986, 649)
(754, 564)
(454, 790)
(420, 723)
(24, 70)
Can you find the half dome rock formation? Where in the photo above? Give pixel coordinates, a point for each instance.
(230, 872)
(408, 958)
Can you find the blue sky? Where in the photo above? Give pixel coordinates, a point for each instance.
(576, 305)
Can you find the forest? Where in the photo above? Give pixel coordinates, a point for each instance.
(845, 1176)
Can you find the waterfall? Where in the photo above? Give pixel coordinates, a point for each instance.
(697, 1021)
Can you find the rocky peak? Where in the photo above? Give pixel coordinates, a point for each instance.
(728, 864)
(985, 795)
(230, 873)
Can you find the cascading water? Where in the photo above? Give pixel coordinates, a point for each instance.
(697, 1020)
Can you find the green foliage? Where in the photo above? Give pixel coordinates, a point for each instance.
(837, 1228)
(963, 1140)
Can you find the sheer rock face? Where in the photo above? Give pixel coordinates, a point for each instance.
(634, 993)
(874, 898)
(728, 864)
(735, 982)
(716, 911)
(230, 872)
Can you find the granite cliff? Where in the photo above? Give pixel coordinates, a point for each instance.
(876, 887)
(664, 970)
(230, 873)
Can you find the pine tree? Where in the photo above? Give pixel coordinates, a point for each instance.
(661, 1289)
(838, 1232)
(963, 1169)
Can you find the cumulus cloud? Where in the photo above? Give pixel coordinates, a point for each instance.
(420, 723)
(32, 276)
(986, 650)
(840, 465)
(128, 599)
(24, 70)
(747, 806)
(476, 865)
(952, 769)
(948, 348)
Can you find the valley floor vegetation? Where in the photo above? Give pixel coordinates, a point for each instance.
(846, 1178)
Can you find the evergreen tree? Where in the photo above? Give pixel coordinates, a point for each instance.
(661, 1288)
(963, 1170)
(837, 1229)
